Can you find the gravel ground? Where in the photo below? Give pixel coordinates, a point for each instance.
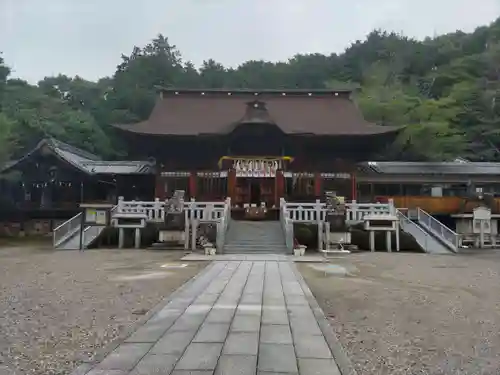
(57, 308)
(414, 314)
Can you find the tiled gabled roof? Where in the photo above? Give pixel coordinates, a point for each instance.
(430, 168)
(313, 112)
(85, 161)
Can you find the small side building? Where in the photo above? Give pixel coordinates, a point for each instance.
(47, 185)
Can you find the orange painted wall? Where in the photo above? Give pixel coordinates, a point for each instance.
(436, 205)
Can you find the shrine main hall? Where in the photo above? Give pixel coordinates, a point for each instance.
(255, 146)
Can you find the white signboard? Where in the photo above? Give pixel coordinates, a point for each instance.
(100, 218)
(256, 167)
(90, 215)
(482, 213)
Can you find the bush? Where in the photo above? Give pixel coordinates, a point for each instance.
(306, 235)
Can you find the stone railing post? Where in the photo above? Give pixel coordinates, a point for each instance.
(157, 211)
(319, 222)
(119, 205)
(354, 211)
(392, 208)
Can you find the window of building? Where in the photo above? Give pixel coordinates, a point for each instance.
(211, 187)
(176, 183)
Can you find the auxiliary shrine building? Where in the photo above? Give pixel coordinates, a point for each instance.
(255, 146)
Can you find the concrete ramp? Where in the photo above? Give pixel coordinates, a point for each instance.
(72, 242)
(426, 240)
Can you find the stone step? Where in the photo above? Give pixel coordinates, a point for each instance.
(250, 227)
(254, 248)
(258, 255)
(263, 229)
(246, 251)
(255, 237)
(253, 242)
(246, 238)
(259, 246)
(252, 238)
(266, 230)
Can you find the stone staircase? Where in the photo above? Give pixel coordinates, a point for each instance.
(255, 237)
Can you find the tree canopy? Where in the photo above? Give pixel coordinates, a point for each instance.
(445, 90)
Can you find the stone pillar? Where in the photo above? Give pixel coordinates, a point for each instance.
(137, 241)
(388, 241)
(194, 228)
(186, 230)
(327, 235)
(320, 235)
(397, 237)
(319, 222)
(372, 240)
(121, 237)
(158, 210)
(481, 234)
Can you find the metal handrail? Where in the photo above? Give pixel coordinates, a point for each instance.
(450, 238)
(405, 221)
(65, 230)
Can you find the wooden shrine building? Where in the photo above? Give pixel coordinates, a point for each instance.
(53, 178)
(255, 146)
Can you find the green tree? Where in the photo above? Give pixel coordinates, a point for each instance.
(159, 63)
(37, 115)
(4, 73)
(7, 127)
(443, 90)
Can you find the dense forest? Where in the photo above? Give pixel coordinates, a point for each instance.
(444, 90)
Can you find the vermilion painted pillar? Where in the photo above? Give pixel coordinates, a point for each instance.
(192, 185)
(231, 184)
(317, 185)
(354, 187)
(160, 187)
(279, 187)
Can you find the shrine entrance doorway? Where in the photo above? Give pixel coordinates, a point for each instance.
(255, 194)
(255, 191)
(255, 180)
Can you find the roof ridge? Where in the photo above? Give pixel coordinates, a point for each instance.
(104, 162)
(72, 149)
(250, 90)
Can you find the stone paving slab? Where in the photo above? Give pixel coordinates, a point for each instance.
(237, 317)
(212, 332)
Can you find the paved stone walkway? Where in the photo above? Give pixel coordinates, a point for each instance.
(236, 317)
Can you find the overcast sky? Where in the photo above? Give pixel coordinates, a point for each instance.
(87, 37)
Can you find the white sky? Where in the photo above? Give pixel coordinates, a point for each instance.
(87, 37)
